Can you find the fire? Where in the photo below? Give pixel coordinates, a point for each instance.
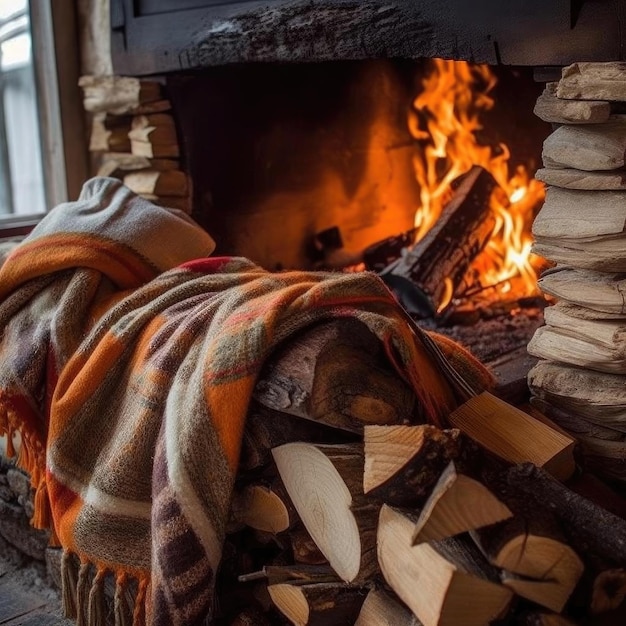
(444, 119)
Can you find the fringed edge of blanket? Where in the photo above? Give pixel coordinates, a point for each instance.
(83, 594)
(31, 457)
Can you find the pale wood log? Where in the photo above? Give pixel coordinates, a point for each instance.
(325, 604)
(549, 108)
(435, 580)
(594, 290)
(569, 214)
(577, 179)
(403, 463)
(157, 128)
(587, 147)
(584, 313)
(437, 264)
(117, 94)
(593, 81)
(609, 590)
(457, 504)
(596, 396)
(118, 164)
(145, 148)
(381, 609)
(336, 373)
(513, 435)
(555, 344)
(325, 484)
(107, 136)
(263, 507)
(590, 529)
(168, 183)
(602, 255)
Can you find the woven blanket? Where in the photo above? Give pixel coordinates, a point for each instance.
(129, 382)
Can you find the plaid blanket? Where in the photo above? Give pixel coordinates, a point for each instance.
(129, 382)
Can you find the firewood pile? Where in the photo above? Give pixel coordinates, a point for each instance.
(580, 380)
(350, 509)
(134, 138)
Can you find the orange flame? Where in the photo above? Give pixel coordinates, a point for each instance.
(445, 118)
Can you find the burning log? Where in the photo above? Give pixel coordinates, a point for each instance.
(429, 273)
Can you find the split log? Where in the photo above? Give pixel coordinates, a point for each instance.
(117, 94)
(326, 604)
(598, 291)
(514, 436)
(154, 136)
(429, 272)
(403, 463)
(118, 164)
(263, 507)
(555, 110)
(173, 183)
(597, 397)
(381, 609)
(336, 373)
(457, 504)
(266, 429)
(593, 81)
(578, 179)
(436, 579)
(303, 547)
(590, 529)
(109, 133)
(325, 484)
(587, 147)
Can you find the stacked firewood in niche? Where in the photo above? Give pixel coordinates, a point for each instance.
(350, 510)
(582, 228)
(134, 137)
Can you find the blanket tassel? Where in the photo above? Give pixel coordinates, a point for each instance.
(97, 606)
(41, 516)
(68, 585)
(139, 614)
(82, 595)
(122, 608)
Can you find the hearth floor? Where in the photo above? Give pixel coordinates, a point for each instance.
(27, 599)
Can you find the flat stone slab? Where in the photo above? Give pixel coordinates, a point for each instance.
(569, 178)
(555, 110)
(593, 81)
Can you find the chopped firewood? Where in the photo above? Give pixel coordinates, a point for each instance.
(292, 575)
(154, 136)
(609, 590)
(431, 270)
(336, 373)
(457, 504)
(118, 164)
(579, 179)
(160, 183)
(591, 529)
(381, 609)
(109, 133)
(591, 344)
(596, 396)
(266, 429)
(593, 81)
(558, 111)
(436, 580)
(262, 507)
(403, 463)
(154, 151)
(381, 254)
(324, 604)
(304, 549)
(513, 435)
(324, 483)
(598, 291)
(117, 94)
(587, 147)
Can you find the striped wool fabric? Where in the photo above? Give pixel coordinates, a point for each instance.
(131, 398)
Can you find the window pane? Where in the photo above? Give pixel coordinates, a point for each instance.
(21, 175)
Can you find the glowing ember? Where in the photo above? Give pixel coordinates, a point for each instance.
(445, 118)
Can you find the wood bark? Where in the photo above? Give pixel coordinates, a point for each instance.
(436, 265)
(403, 463)
(336, 373)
